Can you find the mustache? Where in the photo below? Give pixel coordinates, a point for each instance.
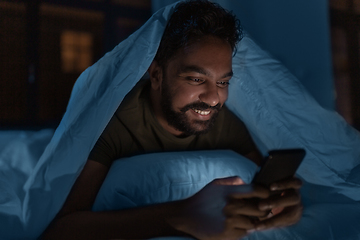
(200, 106)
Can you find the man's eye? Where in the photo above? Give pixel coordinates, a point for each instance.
(195, 80)
(223, 84)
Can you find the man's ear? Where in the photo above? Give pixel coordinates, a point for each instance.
(156, 75)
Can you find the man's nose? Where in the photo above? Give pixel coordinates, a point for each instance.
(210, 95)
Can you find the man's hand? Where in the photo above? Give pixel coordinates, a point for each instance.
(223, 209)
(229, 209)
(286, 208)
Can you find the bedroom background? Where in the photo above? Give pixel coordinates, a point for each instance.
(46, 44)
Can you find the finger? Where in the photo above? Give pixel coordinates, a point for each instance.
(236, 207)
(276, 211)
(249, 191)
(235, 180)
(288, 198)
(293, 183)
(272, 213)
(289, 216)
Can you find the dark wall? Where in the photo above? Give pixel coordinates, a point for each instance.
(44, 47)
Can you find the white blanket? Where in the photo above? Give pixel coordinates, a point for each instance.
(273, 104)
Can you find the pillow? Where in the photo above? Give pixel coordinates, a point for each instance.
(169, 176)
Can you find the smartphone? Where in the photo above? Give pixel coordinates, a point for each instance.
(279, 165)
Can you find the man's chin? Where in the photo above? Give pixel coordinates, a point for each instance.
(199, 128)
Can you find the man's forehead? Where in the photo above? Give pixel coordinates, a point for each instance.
(197, 69)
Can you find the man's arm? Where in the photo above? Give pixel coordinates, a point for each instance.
(76, 220)
(179, 218)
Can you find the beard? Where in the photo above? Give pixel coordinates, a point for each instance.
(179, 120)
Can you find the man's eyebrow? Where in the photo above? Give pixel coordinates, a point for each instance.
(193, 68)
(229, 74)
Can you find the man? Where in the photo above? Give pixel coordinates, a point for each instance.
(181, 107)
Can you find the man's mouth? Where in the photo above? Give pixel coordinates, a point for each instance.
(202, 112)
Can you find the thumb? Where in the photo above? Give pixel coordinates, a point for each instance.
(234, 180)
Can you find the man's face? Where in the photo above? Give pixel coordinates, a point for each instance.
(195, 86)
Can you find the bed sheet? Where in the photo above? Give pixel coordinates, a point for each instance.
(269, 99)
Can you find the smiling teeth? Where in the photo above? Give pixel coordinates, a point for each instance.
(202, 112)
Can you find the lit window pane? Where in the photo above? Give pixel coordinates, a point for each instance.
(76, 51)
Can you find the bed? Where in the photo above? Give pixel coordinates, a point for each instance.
(38, 168)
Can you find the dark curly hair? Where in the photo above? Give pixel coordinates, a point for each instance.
(194, 19)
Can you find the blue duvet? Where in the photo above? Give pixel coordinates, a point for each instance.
(37, 169)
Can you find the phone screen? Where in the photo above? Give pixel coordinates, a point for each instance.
(279, 165)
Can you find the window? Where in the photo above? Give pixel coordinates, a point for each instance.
(76, 51)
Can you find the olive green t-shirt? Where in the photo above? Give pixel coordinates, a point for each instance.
(134, 130)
